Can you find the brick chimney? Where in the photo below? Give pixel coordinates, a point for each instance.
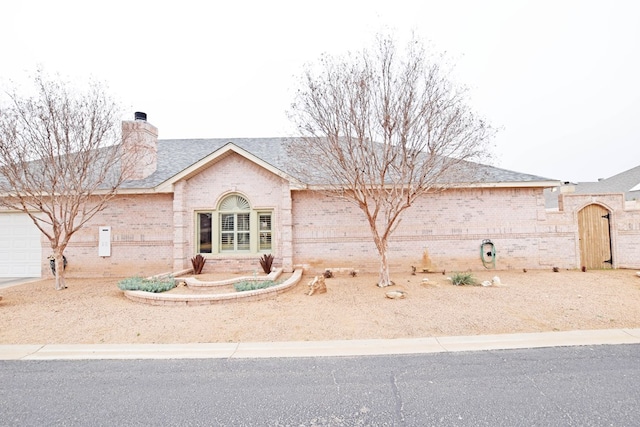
(140, 145)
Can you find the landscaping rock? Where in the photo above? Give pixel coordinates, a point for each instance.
(396, 294)
(317, 286)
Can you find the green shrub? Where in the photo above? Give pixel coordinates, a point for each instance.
(147, 285)
(252, 285)
(459, 279)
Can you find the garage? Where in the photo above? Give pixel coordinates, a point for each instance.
(20, 248)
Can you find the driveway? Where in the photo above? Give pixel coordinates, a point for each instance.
(6, 282)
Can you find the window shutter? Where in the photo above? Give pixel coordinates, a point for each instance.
(235, 203)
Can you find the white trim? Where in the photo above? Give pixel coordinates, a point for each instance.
(512, 184)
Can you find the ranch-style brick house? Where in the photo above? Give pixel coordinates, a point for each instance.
(233, 200)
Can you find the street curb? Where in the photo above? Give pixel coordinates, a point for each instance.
(319, 348)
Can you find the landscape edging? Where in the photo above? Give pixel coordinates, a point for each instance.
(207, 299)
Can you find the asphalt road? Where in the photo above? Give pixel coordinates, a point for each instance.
(561, 386)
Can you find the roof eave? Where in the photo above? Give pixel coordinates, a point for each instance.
(513, 184)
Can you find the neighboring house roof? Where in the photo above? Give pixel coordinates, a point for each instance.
(627, 182)
(177, 156)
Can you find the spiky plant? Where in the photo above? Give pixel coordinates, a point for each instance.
(266, 261)
(198, 262)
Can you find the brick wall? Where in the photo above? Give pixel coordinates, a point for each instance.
(140, 144)
(625, 225)
(141, 239)
(441, 231)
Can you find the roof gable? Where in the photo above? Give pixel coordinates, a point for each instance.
(215, 157)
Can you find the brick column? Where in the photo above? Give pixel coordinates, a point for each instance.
(180, 227)
(286, 229)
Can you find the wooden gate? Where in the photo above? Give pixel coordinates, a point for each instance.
(594, 226)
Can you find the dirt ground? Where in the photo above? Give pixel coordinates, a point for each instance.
(96, 311)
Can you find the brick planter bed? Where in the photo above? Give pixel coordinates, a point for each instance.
(200, 285)
(207, 299)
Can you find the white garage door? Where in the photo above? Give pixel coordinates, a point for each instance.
(20, 249)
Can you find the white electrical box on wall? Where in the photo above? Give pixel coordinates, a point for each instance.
(104, 241)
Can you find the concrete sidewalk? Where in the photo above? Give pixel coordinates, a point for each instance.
(318, 348)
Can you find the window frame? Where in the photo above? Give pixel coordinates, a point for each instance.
(215, 232)
(208, 245)
(238, 233)
(265, 232)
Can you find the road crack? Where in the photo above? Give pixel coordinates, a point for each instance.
(399, 403)
(553, 402)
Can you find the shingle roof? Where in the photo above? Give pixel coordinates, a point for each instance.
(627, 182)
(176, 155)
(624, 182)
(493, 174)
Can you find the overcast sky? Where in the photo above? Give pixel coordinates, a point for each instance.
(561, 79)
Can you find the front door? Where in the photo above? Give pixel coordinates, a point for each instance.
(594, 226)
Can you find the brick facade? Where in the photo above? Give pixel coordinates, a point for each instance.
(625, 225)
(444, 231)
(264, 190)
(155, 233)
(141, 239)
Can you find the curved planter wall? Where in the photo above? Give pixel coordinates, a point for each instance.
(206, 299)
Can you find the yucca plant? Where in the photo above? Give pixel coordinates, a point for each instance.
(198, 262)
(266, 261)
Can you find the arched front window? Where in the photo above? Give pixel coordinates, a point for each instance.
(234, 228)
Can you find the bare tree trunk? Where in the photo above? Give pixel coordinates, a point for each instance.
(59, 267)
(384, 279)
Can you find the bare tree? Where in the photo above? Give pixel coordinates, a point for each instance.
(381, 129)
(62, 158)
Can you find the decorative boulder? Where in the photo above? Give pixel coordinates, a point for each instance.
(317, 286)
(396, 294)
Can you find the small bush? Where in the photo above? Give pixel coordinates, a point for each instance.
(266, 261)
(252, 285)
(460, 279)
(147, 285)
